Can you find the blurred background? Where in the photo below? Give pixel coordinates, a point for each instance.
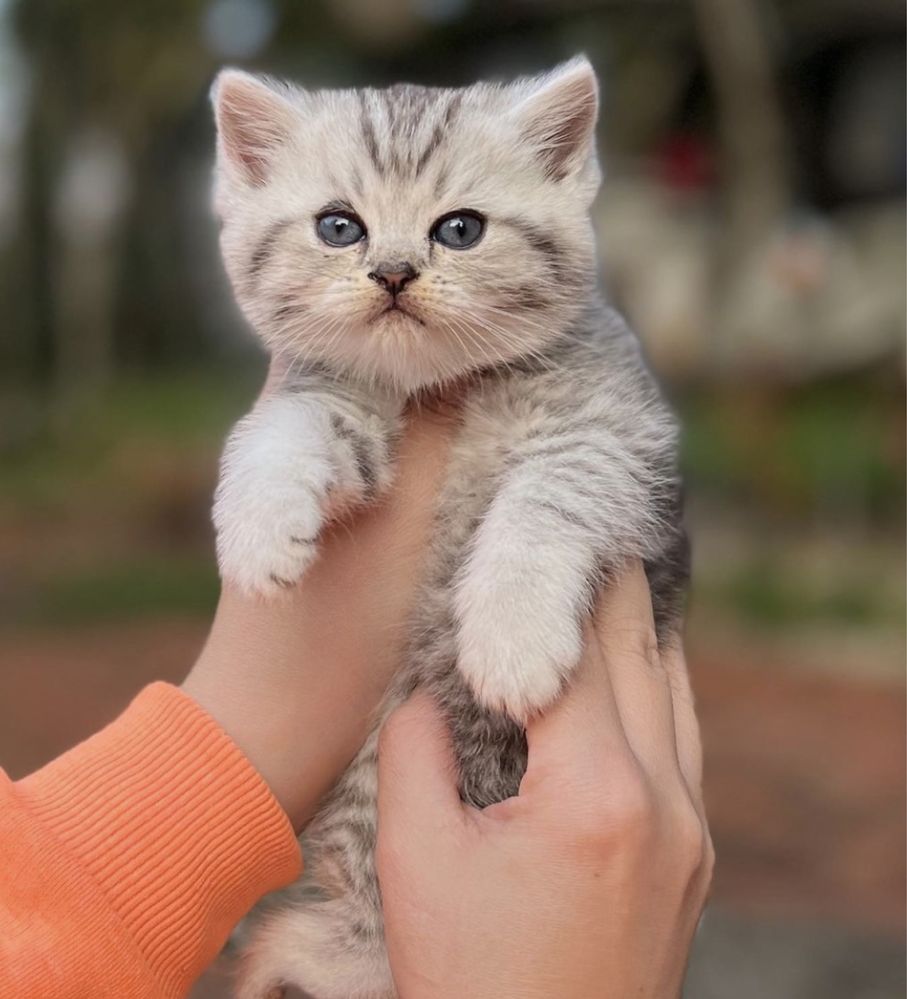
(752, 227)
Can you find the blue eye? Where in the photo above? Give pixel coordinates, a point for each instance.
(458, 230)
(340, 229)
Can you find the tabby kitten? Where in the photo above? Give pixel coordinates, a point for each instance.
(386, 242)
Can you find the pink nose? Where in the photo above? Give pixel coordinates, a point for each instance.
(394, 277)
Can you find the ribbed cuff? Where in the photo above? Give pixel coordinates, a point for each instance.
(174, 825)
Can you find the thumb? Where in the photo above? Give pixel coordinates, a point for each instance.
(417, 783)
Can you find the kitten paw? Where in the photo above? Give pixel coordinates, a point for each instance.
(275, 485)
(267, 533)
(289, 466)
(519, 634)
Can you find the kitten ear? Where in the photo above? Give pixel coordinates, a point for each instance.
(558, 116)
(253, 122)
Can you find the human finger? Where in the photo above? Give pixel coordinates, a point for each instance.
(417, 782)
(624, 628)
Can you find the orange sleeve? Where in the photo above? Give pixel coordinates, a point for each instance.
(125, 863)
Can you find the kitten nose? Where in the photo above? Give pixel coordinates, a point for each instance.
(394, 277)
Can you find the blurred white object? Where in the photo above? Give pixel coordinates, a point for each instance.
(94, 184)
(822, 295)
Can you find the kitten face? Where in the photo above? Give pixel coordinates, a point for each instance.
(412, 234)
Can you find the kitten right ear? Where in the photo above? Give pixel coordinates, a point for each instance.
(253, 122)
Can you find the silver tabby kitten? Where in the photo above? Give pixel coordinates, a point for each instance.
(389, 241)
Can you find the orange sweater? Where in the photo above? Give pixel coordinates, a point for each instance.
(125, 863)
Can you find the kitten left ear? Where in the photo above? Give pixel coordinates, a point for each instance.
(559, 114)
(253, 122)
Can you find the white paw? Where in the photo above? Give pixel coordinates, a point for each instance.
(265, 542)
(276, 477)
(519, 632)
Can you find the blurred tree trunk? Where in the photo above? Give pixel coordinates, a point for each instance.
(90, 196)
(755, 159)
(35, 315)
(105, 81)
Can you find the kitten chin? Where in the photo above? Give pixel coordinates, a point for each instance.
(386, 243)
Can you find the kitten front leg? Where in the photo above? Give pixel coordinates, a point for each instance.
(519, 605)
(560, 518)
(297, 460)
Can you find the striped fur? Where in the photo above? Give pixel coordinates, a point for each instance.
(563, 468)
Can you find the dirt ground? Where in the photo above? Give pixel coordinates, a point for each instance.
(805, 778)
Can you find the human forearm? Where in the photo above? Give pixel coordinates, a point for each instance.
(127, 861)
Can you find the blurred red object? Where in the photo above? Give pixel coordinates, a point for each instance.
(686, 162)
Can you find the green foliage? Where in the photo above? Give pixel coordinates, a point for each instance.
(767, 594)
(141, 587)
(86, 452)
(820, 452)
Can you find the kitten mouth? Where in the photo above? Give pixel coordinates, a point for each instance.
(396, 308)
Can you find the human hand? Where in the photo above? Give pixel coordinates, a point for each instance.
(293, 681)
(591, 881)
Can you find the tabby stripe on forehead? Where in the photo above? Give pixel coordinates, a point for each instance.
(453, 106)
(265, 247)
(398, 108)
(453, 109)
(356, 182)
(368, 134)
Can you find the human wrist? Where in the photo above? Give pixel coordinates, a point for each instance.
(246, 719)
(295, 700)
(251, 697)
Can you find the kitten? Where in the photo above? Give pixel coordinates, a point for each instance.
(387, 242)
